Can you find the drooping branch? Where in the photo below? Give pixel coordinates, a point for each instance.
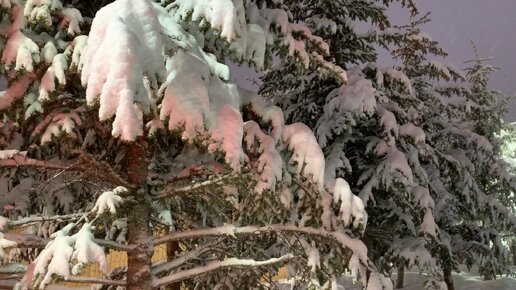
(93, 280)
(357, 246)
(13, 268)
(346, 241)
(29, 220)
(33, 241)
(20, 160)
(172, 190)
(217, 265)
(113, 245)
(85, 164)
(27, 240)
(167, 266)
(102, 171)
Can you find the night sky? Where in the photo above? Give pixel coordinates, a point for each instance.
(491, 24)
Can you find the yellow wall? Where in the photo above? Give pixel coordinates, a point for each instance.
(116, 259)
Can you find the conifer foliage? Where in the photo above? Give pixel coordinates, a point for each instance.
(415, 141)
(121, 130)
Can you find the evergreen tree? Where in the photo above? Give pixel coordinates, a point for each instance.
(403, 140)
(460, 168)
(366, 131)
(124, 126)
(463, 158)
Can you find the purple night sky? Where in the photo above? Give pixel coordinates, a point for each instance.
(491, 24)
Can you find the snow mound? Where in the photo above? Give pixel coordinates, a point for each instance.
(107, 201)
(307, 154)
(124, 45)
(86, 251)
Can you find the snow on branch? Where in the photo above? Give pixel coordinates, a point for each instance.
(15, 90)
(307, 153)
(124, 44)
(355, 245)
(86, 250)
(5, 243)
(172, 190)
(19, 50)
(164, 267)
(57, 124)
(108, 200)
(20, 160)
(270, 163)
(217, 265)
(35, 219)
(55, 259)
(94, 280)
(33, 241)
(351, 206)
(221, 14)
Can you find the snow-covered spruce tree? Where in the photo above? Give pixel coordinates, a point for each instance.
(336, 22)
(375, 134)
(367, 134)
(507, 148)
(410, 99)
(465, 171)
(439, 112)
(483, 114)
(125, 129)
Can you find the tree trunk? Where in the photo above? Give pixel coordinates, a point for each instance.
(139, 209)
(488, 272)
(400, 277)
(139, 259)
(447, 271)
(513, 251)
(172, 247)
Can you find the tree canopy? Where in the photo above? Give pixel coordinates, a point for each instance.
(120, 129)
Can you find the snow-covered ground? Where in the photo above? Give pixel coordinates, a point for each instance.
(462, 281)
(413, 281)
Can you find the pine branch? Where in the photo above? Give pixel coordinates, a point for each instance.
(103, 171)
(12, 268)
(217, 265)
(343, 239)
(167, 266)
(172, 190)
(87, 165)
(93, 280)
(33, 241)
(114, 245)
(27, 240)
(20, 160)
(29, 220)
